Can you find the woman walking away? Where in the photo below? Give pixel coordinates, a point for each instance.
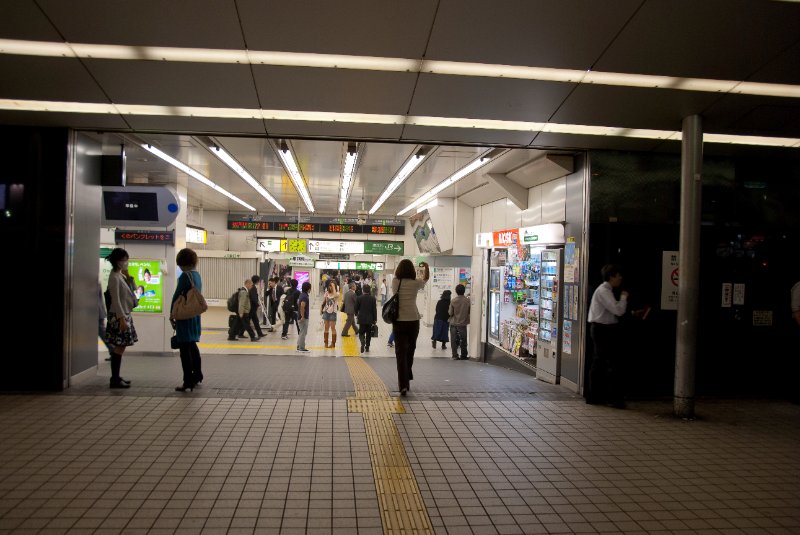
(120, 332)
(367, 314)
(440, 326)
(188, 331)
(329, 308)
(406, 328)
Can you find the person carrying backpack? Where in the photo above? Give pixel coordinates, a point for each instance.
(239, 304)
(290, 309)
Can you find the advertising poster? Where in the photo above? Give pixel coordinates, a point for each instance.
(147, 279)
(302, 276)
(465, 278)
(567, 339)
(669, 280)
(727, 294)
(569, 262)
(442, 279)
(738, 294)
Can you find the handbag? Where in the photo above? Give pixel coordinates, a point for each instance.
(373, 330)
(391, 308)
(190, 304)
(173, 342)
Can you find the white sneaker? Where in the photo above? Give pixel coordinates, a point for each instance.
(303, 350)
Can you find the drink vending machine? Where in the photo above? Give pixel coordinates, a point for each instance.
(548, 347)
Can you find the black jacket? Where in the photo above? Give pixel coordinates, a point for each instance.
(442, 307)
(366, 310)
(278, 293)
(253, 293)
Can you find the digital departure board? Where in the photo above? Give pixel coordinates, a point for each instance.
(315, 224)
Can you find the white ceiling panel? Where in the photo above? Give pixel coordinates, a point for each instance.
(182, 23)
(724, 39)
(176, 84)
(487, 98)
(383, 28)
(297, 88)
(381, 162)
(550, 33)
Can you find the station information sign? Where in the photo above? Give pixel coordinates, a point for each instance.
(334, 225)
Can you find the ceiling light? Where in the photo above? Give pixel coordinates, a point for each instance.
(194, 174)
(293, 170)
(237, 168)
(399, 178)
(373, 63)
(349, 168)
(452, 179)
(432, 204)
(368, 118)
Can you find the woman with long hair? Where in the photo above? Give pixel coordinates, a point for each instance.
(406, 328)
(120, 332)
(188, 330)
(328, 310)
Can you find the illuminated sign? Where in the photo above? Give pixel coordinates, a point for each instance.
(320, 246)
(365, 266)
(249, 225)
(504, 238)
(541, 234)
(384, 247)
(154, 236)
(333, 225)
(269, 245)
(148, 285)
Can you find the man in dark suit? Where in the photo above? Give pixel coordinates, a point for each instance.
(350, 309)
(367, 314)
(275, 293)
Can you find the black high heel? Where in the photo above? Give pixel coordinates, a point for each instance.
(184, 388)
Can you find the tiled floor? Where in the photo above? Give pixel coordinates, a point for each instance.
(268, 445)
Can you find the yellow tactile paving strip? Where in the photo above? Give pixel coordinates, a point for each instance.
(402, 510)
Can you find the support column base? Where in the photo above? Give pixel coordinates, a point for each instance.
(683, 407)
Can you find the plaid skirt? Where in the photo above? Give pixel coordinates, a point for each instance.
(116, 337)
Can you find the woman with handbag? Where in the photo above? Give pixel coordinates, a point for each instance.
(328, 311)
(367, 315)
(120, 332)
(188, 330)
(406, 286)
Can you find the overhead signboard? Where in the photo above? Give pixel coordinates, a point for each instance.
(334, 225)
(270, 245)
(504, 238)
(322, 246)
(364, 266)
(384, 247)
(196, 235)
(301, 261)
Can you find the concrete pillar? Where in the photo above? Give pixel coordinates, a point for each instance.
(689, 265)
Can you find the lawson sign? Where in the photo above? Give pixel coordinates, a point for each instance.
(551, 233)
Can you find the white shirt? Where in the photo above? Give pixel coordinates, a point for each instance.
(605, 308)
(383, 289)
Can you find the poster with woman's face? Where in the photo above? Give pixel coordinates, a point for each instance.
(148, 285)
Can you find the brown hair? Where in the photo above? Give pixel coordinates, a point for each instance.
(405, 270)
(186, 258)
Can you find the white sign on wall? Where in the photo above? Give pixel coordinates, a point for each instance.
(349, 247)
(196, 235)
(541, 234)
(268, 245)
(669, 280)
(301, 261)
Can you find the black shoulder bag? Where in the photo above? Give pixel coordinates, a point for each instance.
(391, 309)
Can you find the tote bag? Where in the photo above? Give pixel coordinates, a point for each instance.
(190, 304)
(391, 308)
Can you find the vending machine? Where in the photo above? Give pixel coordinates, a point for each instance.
(548, 347)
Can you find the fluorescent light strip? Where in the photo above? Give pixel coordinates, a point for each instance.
(194, 174)
(373, 63)
(446, 183)
(364, 118)
(398, 179)
(297, 178)
(347, 178)
(433, 204)
(228, 160)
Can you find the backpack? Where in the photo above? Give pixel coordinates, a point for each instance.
(290, 303)
(233, 302)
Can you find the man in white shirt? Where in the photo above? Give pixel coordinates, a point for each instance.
(383, 292)
(605, 376)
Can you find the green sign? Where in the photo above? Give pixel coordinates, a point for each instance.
(369, 266)
(531, 237)
(384, 247)
(149, 285)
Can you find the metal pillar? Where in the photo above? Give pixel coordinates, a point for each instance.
(689, 265)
